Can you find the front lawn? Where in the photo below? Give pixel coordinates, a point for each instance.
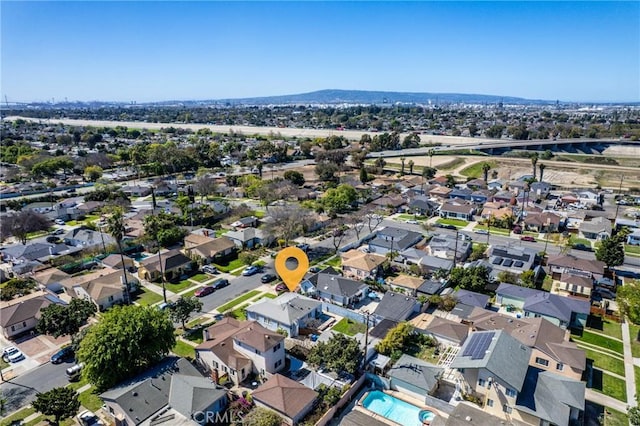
(3, 364)
(146, 297)
(336, 262)
(604, 326)
(229, 266)
(605, 362)
(455, 222)
(615, 418)
(16, 417)
(349, 327)
(614, 387)
(191, 292)
(633, 250)
(493, 230)
(201, 278)
(177, 288)
(239, 313)
(183, 349)
(235, 302)
(411, 217)
(598, 340)
(583, 241)
(90, 400)
(634, 334)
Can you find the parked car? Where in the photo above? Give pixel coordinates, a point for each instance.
(517, 230)
(203, 291)
(12, 354)
(251, 270)
(59, 222)
(604, 293)
(481, 231)
(87, 418)
(445, 226)
(218, 284)
(209, 269)
(582, 247)
(62, 354)
(281, 287)
(53, 239)
(267, 278)
(73, 373)
(412, 222)
(528, 238)
(167, 305)
(58, 232)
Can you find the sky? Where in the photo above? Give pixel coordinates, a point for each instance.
(151, 51)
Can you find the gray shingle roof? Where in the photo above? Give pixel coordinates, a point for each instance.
(417, 372)
(544, 303)
(286, 308)
(506, 358)
(336, 285)
(190, 394)
(395, 306)
(401, 239)
(471, 298)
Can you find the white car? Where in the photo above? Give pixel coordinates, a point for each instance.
(87, 418)
(12, 354)
(412, 222)
(481, 231)
(59, 222)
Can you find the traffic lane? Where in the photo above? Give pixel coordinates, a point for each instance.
(22, 390)
(237, 287)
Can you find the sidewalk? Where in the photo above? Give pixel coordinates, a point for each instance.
(605, 400)
(628, 365)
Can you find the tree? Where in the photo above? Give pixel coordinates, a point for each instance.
(92, 173)
(507, 277)
(61, 403)
(294, 177)
(182, 309)
(65, 320)
(429, 172)
(247, 257)
(22, 223)
(183, 202)
(534, 162)
(451, 181)
(541, 167)
(485, 171)
(628, 299)
(262, 417)
(430, 154)
(289, 222)
(474, 278)
(373, 219)
(337, 233)
(326, 171)
(340, 199)
(205, 186)
(402, 160)
(364, 176)
(634, 416)
(116, 228)
(611, 250)
(395, 339)
(411, 164)
(126, 341)
(339, 353)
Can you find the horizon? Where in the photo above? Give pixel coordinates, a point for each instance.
(574, 52)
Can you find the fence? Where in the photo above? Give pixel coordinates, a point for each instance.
(353, 390)
(347, 313)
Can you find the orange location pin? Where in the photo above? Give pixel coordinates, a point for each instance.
(291, 277)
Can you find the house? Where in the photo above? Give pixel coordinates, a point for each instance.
(550, 346)
(288, 312)
(588, 198)
(490, 211)
(21, 315)
(597, 229)
(50, 278)
(633, 238)
(331, 287)
(567, 263)
(406, 284)
(136, 190)
(86, 238)
(172, 264)
(447, 246)
(475, 184)
(414, 377)
(457, 211)
(32, 251)
(463, 194)
(445, 331)
(248, 237)
(573, 285)
(396, 307)
(115, 261)
(393, 239)
(471, 298)
(83, 209)
(562, 311)
(495, 184)
(540, 190)
(513, 259)
(104, 287)
(237, 349)
(481, 196)
(290, 399)
(173, 391)
(423, 206)
(359, 265)
(430, 264)
(245, 222)
(441, 192)
(542, 222)
(503, 197)
(207, 249)
(429, 288)
(391, 203)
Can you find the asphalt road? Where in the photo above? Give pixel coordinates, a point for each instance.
(23, 389)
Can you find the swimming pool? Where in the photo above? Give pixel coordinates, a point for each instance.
(396, 409)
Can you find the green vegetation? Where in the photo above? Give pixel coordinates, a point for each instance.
(475, 170)
(451, 164)
(230, 266)
(336, 262)
(493, 230)
(610, 328)
(349, 327)
(583, 241)
(605, 362)
(613, 387)
(177, 288)
(239, 313)
(632, 250)
(615, 418)
(235, 302)
(146, 297)
(201, 278)
(18, 416)
(90, 400)
(634, 334)
(266, 295)
(456, 222)
(599, 340)
(636, 373)
(183, 349)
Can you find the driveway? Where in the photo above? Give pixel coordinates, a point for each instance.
(37, 350)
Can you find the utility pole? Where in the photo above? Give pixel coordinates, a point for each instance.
(455, 250)
(153, 212)
(366, 339)
(615, 219)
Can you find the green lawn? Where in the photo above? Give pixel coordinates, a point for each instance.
(239, 313)
(584, 241)
(3, 364)
(221, 232)
(613, 387)
(633, 250)
(36, 234)
(605, 362)
(183, 349)
(146, 297)
(349, 327)
(18, 415)
(266, 295)
(232, 265)
(598, 340)
(634, 334)
(235, 302)
(456, 222)
(90, 400)
(475, 170)
(411, 217)
(201, 278)
(259, 213)
(636, 373)
(336, 262)
(615, 418)
(182, 285)
(610, 328)
(493, 230)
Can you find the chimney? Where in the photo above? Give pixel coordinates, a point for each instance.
(206, 334)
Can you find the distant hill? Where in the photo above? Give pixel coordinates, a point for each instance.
(332, 96)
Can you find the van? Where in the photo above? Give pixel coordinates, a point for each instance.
(73, 373)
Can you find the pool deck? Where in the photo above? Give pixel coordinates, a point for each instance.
(396, 394)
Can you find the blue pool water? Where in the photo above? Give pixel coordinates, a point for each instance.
(395, 409)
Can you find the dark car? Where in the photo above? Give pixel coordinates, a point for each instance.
(281, 287)
(218, 284)
(528, 238)
(267, 278)
(583, 247)
(203, 291)
(53, 239)
(62, 355)
(251, 270)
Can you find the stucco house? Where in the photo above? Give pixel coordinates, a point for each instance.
(21, 315)
(598, 228)
(457, 211)
(360, 265)
(207, 249)
(289, 312)
(290, 399)
(329, 286)
(174, 264)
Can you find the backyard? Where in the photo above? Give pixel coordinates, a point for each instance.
(349, 327)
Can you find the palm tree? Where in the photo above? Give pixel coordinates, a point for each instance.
(430, 154)
(410, 164)
(541, 166)
(534, 161)
(116, 228)
(402, 166)
(485, 170)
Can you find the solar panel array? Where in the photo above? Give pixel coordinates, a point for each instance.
(478, 345)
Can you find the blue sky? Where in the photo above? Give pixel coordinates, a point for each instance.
(143, 51)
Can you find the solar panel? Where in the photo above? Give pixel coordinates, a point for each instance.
(497, 261)
(507, 262)
(478, 345)
(518, 264)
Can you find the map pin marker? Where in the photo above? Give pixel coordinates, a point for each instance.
(291, 277)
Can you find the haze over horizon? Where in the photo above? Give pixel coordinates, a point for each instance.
(158, 51)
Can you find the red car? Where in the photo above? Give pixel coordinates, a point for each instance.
(203, 291)
(528, 238)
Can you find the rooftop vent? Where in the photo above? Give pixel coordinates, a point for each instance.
(468, 418)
